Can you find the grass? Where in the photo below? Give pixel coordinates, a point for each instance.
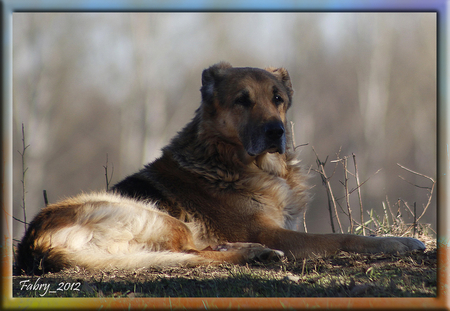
(342, 275)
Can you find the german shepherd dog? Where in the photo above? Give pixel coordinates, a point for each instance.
(228, 187)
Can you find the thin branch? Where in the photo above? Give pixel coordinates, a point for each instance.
(414, 172)
(407, 207)
(421, 187)
(326, 183)
(20, 220)
(294, 147)
(24, 170)
(45, 197)
(386, 216)
(347, 195)
(359, 193)
(335, 167)
(364, 226)
(292, 136)
(415, 220)
(302, 145)
(399, 212)
(108, 180)
(428, 203)
(304, 222)
(394, 219)
(430, 189)
(357, 188)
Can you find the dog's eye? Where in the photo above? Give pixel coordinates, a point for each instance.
(243, 100)
(278, 100)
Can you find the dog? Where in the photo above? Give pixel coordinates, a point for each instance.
(228, 188)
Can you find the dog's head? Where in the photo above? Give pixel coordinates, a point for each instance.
(247, 106)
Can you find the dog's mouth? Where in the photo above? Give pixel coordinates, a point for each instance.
(272, 149)
(275, 149)
(259, 146)
(267, 138)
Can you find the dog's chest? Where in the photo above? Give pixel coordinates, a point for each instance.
(280, 187)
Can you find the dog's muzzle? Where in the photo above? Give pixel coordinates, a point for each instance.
(275, 137)
(270, 137)
(274, 131)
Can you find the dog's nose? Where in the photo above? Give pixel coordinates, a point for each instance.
(274, 130)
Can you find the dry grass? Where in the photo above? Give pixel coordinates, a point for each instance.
(342, 275)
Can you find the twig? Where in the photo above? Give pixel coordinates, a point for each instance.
(415, 220)
(394, 219)
(386, 216)
(414, 172)
(45, 197)
(302, 145)
(106, 173)
(303, 267)
(359, 193)
(374, 221)
(430, 189)
(294, 147)
(20, 220)
(292, 136)
(399, 212)
(326, 183)
(304, 222)
(24, 170)
(360, 185)
(407, 206)
(347, 195)
(364, 226)
(421, 187)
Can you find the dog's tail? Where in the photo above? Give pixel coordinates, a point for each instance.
(104, 231)
(144, 259)
(56, 259)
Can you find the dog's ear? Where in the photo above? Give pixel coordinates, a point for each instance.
(210, 77)
(282, 75)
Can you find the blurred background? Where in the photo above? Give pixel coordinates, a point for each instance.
(110, 89)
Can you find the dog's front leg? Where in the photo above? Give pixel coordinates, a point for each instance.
(301, 245)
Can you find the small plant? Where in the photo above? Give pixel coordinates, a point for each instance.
(388, 223)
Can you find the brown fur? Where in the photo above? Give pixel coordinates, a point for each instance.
(227, 184)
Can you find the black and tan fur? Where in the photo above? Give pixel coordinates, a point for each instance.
(228, 187)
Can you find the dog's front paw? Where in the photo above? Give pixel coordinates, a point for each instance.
(264, 254)
(393, 245)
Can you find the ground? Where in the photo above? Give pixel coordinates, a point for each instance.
(342, 275)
